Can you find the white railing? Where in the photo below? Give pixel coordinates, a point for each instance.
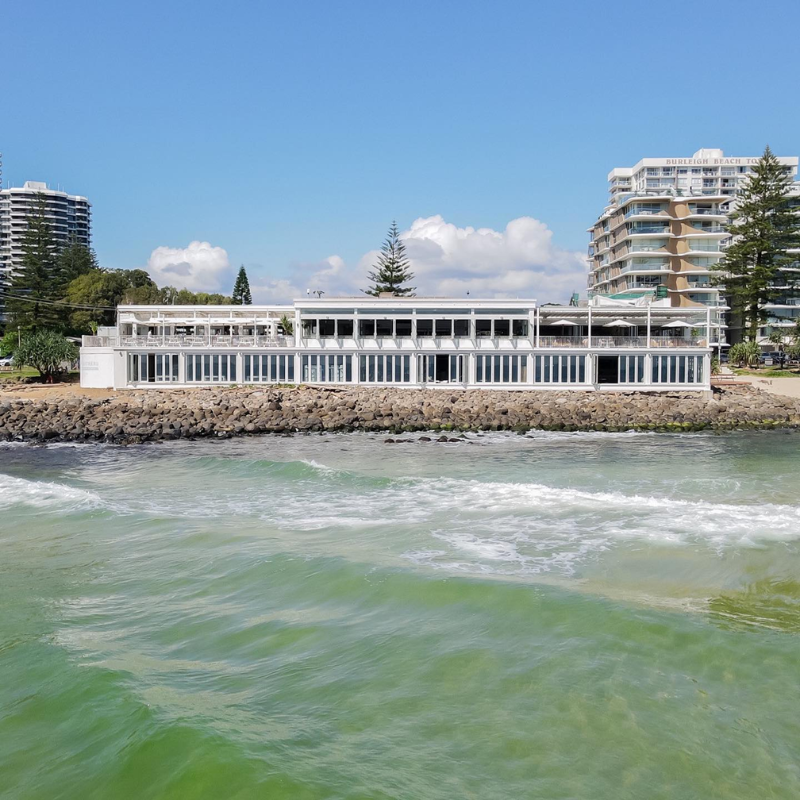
(563, 341)
(187, 341)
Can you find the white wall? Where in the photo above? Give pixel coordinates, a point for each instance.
(97, 367)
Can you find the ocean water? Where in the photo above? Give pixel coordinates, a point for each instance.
(544, 616)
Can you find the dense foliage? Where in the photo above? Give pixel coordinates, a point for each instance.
(392, 272)
(66, 290)
(745, 354)
(241, 289)
(47, 351)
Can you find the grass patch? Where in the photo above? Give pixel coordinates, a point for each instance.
(18, 374)
(768, 373)
(26, 373)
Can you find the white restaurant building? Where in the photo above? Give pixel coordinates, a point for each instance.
(407, 342)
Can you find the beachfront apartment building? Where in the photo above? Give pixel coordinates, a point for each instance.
(411, 342)
(69, 217)
(664, 229)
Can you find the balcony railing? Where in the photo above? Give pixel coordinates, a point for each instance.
(187, 341)
(634, 212)
(563, 341)
(622, 341)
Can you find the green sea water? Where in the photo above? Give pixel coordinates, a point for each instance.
(549, 616)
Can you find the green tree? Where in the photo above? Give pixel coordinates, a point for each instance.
(745, 354)
(287, 325)
(94, 296)
(764, 227)
(392, 271)
(47, 351)
(9, 342)
(169, 295)
(73, 261)
(35, 286)
(241, 289)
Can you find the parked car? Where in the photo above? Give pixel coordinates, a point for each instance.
(6, 361)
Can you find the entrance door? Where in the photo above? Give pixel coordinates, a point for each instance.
(441, 369)
(607, 369)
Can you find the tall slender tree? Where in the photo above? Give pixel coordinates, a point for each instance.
(74, 260)
(764, 226)
(241, 289)
(392, 271)
(35, 286)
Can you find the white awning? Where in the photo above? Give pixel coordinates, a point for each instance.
(559, 322)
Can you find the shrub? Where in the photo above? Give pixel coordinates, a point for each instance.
(745, 354)
(47, 352)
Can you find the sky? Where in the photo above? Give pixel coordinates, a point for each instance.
(286, 136)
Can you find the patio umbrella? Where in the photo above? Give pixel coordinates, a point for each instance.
(678, 323)
(620, 323)
(560, 322)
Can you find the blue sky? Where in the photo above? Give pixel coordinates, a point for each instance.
(289, 135)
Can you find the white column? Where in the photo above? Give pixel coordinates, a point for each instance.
(181, 367)
(538, 325)
(648, 325)
(589, 329)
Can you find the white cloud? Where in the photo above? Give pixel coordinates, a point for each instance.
(331, 275)
(200, 267)
(520, 261)
(448, 261)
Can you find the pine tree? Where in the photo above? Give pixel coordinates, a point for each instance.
(73, 261)
(241, 289)
(35, 285)
(393, 269)
(764, 226)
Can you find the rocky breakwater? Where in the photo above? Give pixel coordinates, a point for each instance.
(144, 416)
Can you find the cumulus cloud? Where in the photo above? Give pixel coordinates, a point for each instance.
(519, 261)
(331, 276)
(198, 267)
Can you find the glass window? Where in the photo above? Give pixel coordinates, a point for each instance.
(309, 328)
(366, 327)
(502, 327)
(327, 327)
(483, 327)
(384, 327)
(519, 327)
(444, 327)
(402, 327)
(424, 327)
(344, 328)
(461, 328)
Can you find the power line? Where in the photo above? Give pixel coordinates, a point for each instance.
(56, 302)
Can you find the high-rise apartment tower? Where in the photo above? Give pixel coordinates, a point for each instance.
(69, 217)
(664, 227)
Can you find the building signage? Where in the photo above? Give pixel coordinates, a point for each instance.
(696, 162)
